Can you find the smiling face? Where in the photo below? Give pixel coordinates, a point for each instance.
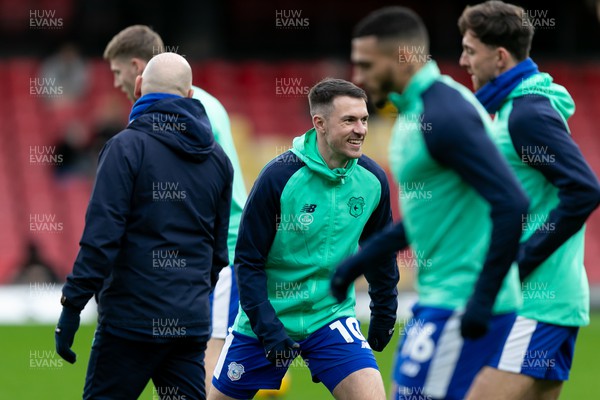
(342, 130)
(482, 62)
(125, 70)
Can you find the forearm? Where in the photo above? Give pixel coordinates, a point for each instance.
(383, 280)
(254, 300)
(380, 249)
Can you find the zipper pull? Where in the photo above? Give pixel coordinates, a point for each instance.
(343, 180)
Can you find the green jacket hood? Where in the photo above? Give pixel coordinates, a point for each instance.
(541, 84)
(305, 148)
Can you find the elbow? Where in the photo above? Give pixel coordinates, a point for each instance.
(595, 196)
(587, 200)
(512, 209)
(520, 205)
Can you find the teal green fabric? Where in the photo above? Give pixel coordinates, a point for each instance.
(447, 222)
(303, 256)
(221, 127)
(557, 292)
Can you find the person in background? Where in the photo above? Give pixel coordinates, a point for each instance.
(461, 207)
(128, 53)
(531, 130)
(154, 242)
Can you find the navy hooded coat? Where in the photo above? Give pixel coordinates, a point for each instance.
(155, 235)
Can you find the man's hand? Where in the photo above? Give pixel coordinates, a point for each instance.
(68, 323)
(283, 352)
(475, 321)
(380, 333)
(339, 286)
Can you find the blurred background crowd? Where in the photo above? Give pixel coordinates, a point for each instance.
(58, 105)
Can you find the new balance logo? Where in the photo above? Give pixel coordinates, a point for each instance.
(308, 208)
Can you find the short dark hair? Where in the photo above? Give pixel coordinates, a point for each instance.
(138, 41)
(499, 24)
(321, 95)
(393, 22)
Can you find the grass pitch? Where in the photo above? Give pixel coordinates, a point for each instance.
(30, 368)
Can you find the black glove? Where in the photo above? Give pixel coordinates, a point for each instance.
(476, 320)
(68, 323)
(339, 286)
(380, 333)
(282, 352)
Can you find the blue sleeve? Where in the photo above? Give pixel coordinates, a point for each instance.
(536, 127)
(382, 273)
(459, 141)
(256, 234)
(221, 250)
(105, 221)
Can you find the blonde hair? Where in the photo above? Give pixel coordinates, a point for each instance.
(138, 41)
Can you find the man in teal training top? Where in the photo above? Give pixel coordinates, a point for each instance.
(309, 209)
(461, 207)
(531, 130)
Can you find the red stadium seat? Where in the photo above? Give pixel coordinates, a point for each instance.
(247, 88)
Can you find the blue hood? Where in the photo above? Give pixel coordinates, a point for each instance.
(179, 123)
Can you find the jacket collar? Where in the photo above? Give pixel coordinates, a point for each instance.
(305, 147)
(493, 93)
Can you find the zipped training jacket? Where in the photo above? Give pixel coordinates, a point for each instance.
(301, 220)
(156, 225)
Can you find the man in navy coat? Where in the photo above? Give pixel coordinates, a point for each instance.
(156, 232)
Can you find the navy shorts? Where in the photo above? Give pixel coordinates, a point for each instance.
(435, 362)
(331, 353)
(537, 349)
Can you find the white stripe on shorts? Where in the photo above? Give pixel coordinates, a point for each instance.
(517, 343)
(443, 363)
(220, 306)
(223, 354)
